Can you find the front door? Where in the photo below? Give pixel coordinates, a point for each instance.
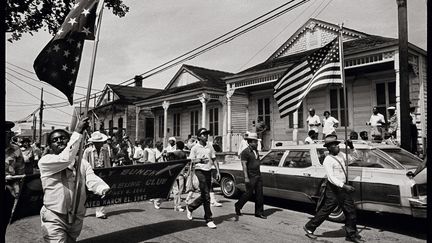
(263, 123)
(149, 128)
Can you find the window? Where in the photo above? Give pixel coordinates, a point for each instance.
(109, 95)
(193, 122)
(120, 123)
(299, 118)
(273, 158)
(111, 127)
(214, 121)
(385, 96)
(161, 126)
(176, 125)
(369, 158)
(264, 111)
(337, 105)
(298, 159)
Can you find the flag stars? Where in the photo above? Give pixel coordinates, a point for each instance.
(66, 53)
(77, 58)
(56, 48)
(85, 12)
(70, 40)
(72, 21)
(70, 83)
(73, 70)
(60, 31)
(86, 31)
(64, 67)
(75, 5)
(79, 45)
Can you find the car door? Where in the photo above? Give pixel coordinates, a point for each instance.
(294, 179)
(379, 189)
(269, 167)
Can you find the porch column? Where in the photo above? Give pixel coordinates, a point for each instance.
(165, 106)
(398, 113)
(137, 111)
(295, 127)
(204, 99)
(230, 93)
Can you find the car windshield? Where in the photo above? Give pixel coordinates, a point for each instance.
(403, 157)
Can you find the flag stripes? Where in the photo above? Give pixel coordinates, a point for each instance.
(320, 68)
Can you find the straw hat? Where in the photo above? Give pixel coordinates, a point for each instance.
(330, 139)
(252, 136)
(98, 137)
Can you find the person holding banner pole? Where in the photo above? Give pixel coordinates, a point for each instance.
(204, 156)
(58, 175)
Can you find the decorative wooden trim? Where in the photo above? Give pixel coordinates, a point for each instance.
(369, 60)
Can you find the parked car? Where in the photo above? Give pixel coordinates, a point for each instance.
(381, 176)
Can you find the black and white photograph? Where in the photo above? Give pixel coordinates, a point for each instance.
(215, 121)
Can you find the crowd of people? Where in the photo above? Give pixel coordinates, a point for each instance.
(381, 130)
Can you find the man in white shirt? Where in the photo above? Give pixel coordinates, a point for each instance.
(171, 147)
(204, 156)
(57, 171)
(313, 121)
(337, 192)
(310, 138)
(376, 122)
(138, 152)
(329, 124)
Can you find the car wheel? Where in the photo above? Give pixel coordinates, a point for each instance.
(337, 215)
(228, 187)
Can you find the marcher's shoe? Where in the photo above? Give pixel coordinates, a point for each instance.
(309, 233)
(237, 211)
(355, 239)
(156, 205)
(216, 204)
(211, 225)
(188, 213)
(178, 208)
(260, 216)
(102, 217)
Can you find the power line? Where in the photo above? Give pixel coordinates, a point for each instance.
(34, 80)
(78, 86)
(35, 96)
(223, 41)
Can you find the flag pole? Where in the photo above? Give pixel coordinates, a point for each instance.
(342, 63)
(76, 194)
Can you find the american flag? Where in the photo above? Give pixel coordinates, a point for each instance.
(59, 61)
(321, 67)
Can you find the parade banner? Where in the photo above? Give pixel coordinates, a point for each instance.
(128, 184)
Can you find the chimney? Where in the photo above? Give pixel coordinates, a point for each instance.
(138, 81)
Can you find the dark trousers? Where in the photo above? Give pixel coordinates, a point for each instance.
(414, 136)
(204, 178)
(335, 196)
(9, 201)
(255, 185)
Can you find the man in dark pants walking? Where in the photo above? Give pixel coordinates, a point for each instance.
(203, 156)
(337, 192)
(253, 181)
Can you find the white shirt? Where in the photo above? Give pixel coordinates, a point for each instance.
(170, 148)
(138, 153)
(329, 123)
(334, 169)
(374, 119)
(151, 155)
(313, 120)
(203, 152)
(309, 140)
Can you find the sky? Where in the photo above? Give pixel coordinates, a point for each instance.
(156, 31)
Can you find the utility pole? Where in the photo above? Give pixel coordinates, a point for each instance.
(40, 117)
(34, 126)
(403, 76)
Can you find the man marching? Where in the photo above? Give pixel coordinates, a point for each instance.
(58, 175)
(337, 193)
(204, 156)
(252, 175)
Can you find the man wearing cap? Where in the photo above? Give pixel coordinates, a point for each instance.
(58, 182)
(14, 165)
(204, 156)
(337, 192)
(98, 157)
(313, 121)
(252, 176)
(392, 121)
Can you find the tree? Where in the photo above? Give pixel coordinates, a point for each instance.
(29, 16)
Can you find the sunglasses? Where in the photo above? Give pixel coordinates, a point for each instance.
(58, 139)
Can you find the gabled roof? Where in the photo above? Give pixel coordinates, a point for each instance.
(310, 24)
(130, 94)
(368, 43)
(208, 79)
